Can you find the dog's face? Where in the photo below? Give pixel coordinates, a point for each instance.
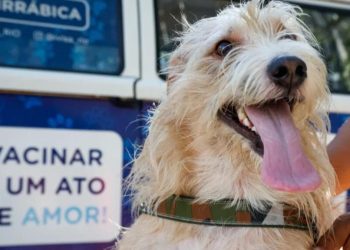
(250, 85)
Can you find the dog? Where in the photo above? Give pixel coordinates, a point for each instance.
(236, 153)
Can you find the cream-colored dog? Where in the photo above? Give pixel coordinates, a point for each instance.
(235, 157)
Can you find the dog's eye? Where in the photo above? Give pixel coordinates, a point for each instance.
(223, 48)
(289, 37)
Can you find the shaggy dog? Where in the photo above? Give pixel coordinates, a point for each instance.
(243, 125)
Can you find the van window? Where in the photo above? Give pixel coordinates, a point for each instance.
(331, 27)
(168, 15)
(80, 36)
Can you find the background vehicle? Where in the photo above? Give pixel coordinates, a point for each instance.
(76, 80)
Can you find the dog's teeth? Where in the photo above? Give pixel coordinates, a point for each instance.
(243, 118)
(254, 129)
(247, 123)
(241, 115)
(251, 125)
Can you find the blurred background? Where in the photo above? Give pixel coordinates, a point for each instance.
(77, 79)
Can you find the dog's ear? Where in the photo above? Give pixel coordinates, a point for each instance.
(176, 67)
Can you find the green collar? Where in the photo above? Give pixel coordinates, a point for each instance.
(222, 213)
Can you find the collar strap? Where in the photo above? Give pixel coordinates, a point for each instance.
(222, 213)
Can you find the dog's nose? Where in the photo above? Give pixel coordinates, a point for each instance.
(287, 71)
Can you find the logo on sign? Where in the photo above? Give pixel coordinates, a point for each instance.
(64, 14)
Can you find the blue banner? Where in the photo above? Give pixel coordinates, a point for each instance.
(25, 111)
(65, 35)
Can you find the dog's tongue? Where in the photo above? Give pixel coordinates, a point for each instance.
(285, 166)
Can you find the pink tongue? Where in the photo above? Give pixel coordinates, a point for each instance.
(285, 166)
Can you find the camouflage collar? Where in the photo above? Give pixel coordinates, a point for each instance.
(223, 213)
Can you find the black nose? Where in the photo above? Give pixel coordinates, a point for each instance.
(287, 71)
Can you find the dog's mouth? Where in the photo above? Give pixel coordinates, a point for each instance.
(240, 122)
(238, 119)
(271, 132)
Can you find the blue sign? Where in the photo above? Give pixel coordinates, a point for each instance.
(25, 111)
(65, 35)
(71, 15)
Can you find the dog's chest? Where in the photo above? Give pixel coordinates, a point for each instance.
(238, 240)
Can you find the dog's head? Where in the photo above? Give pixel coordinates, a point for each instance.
(253, 74)
(245, 107)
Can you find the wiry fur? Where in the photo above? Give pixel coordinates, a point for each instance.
(189, 151)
